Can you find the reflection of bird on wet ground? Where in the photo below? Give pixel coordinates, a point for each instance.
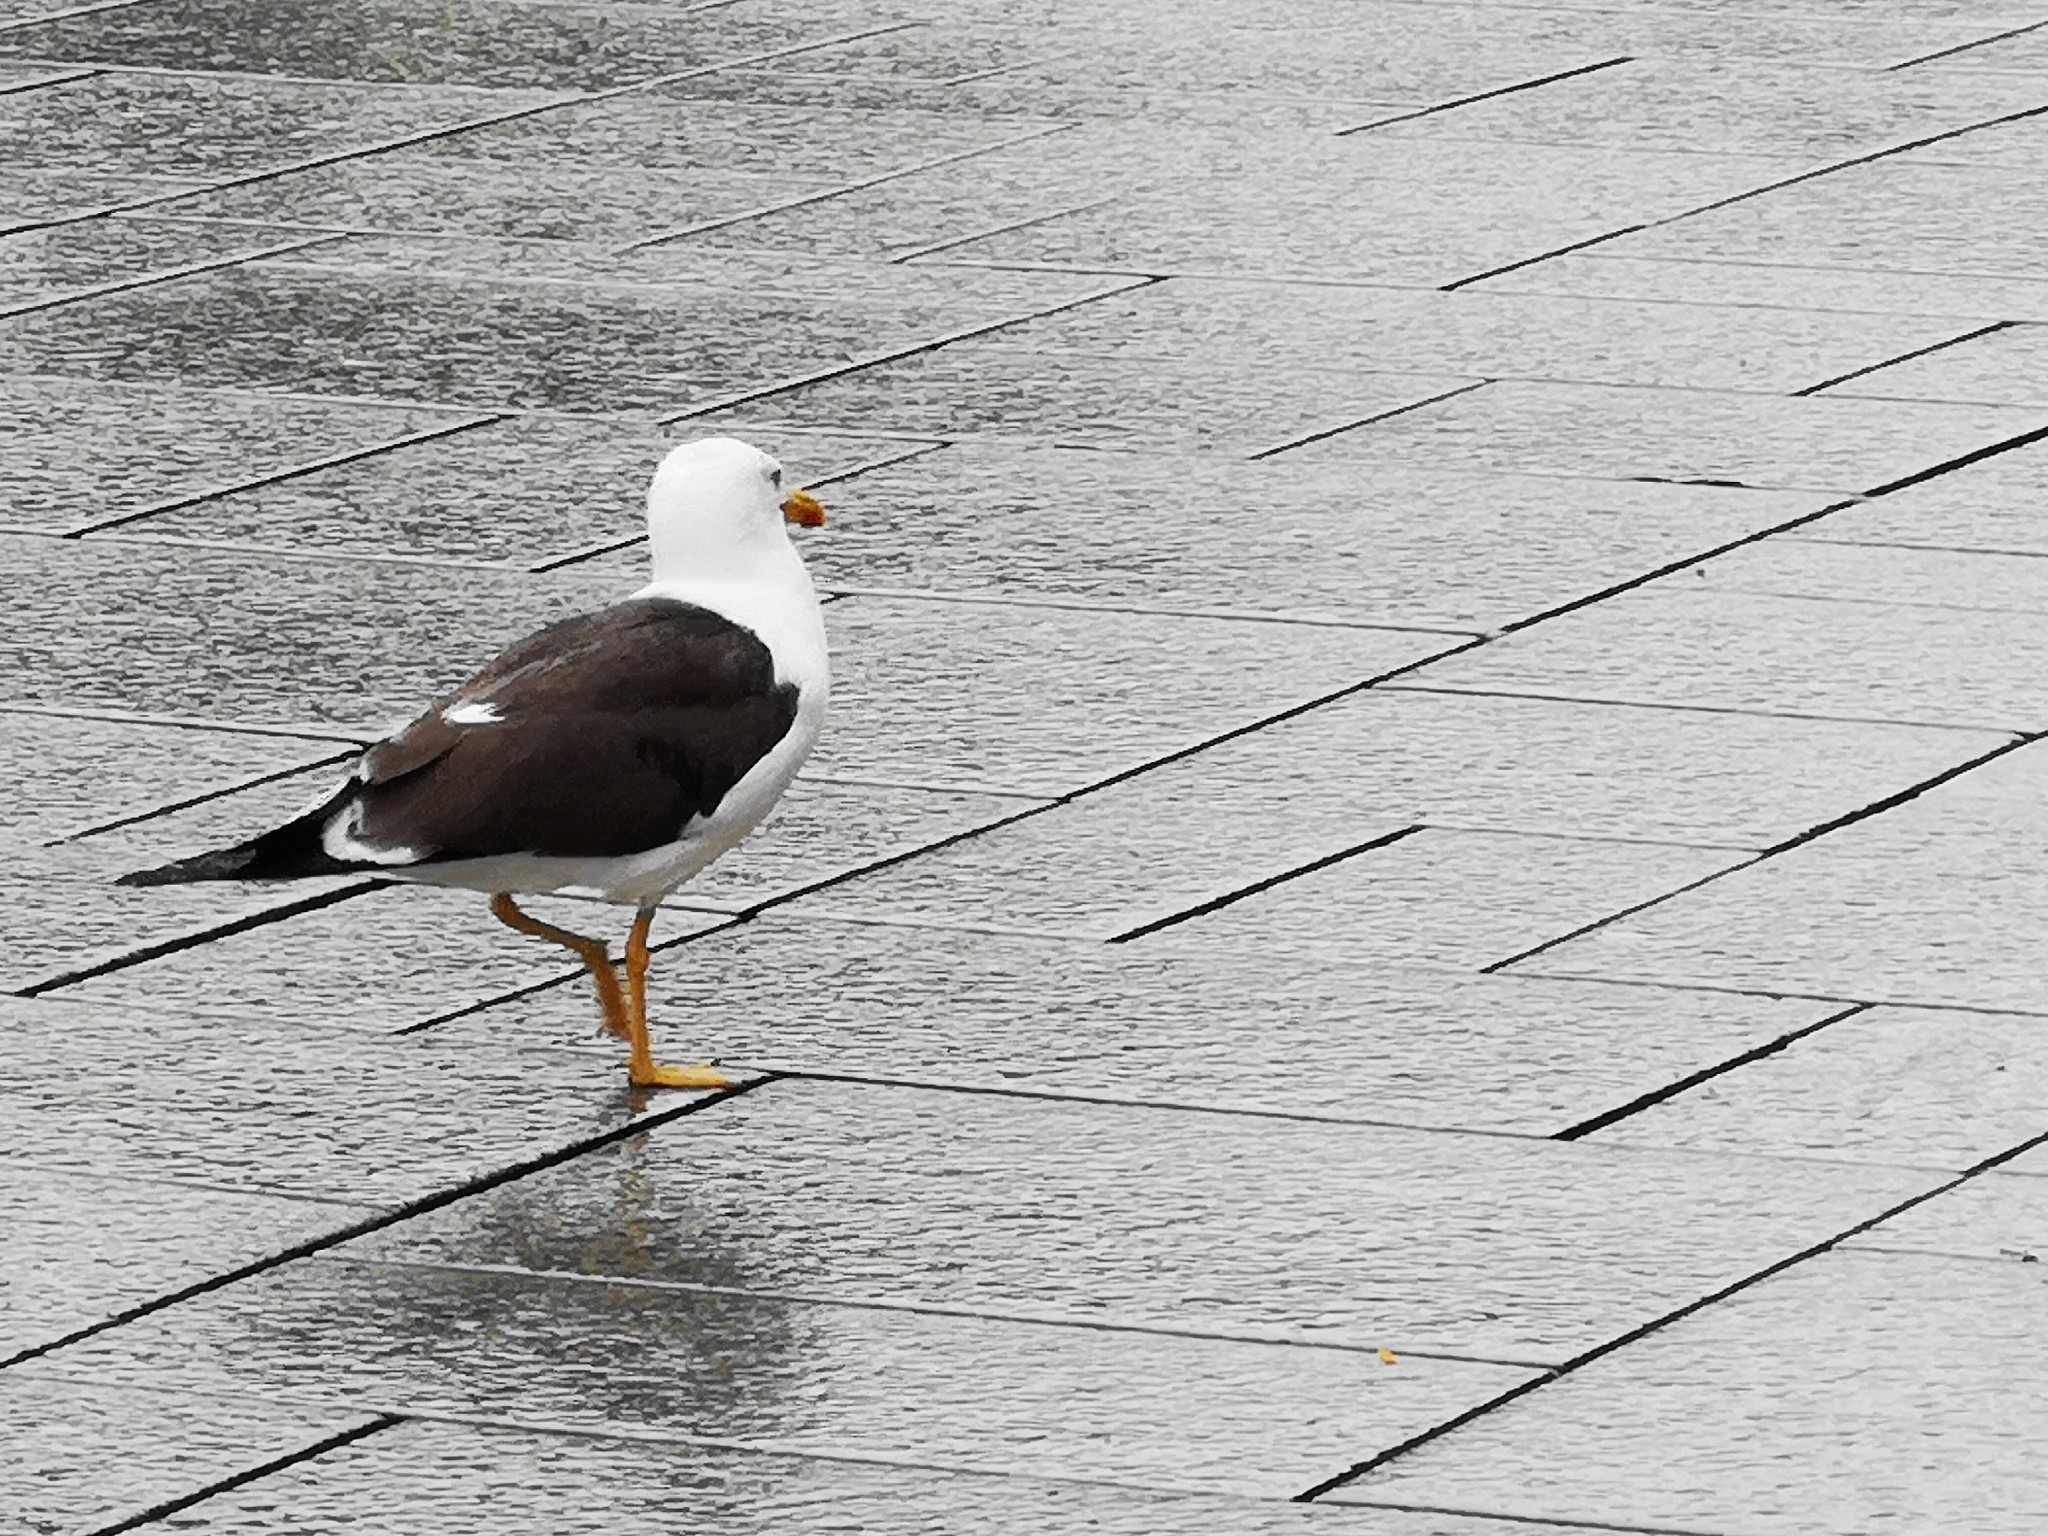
(613, 754)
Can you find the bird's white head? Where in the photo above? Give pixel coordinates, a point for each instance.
(717, 509)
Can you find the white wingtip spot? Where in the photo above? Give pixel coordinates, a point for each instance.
(342, 839)
(472, 712)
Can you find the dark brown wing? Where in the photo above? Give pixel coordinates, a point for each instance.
(599, 736)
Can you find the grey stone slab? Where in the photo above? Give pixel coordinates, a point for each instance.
(949, 54)
(1674, 280)
(861, 1384)
(1911, 1085)
(2002, 368)
(475, 42)
(81, 453)
(1784, 105)
(256, 638)
(1447, 898)
(1086, 399)
(1932, 902)
(1992, 506)
(1404, 544)
(66, 775)
(1898, 214)
(1855, 1392)
(410, 192)
(1875, 573)
(42, 266)
(376, 963)
(1157, 1218)
(1288, 328)
(424, 1479)
(2023, 53)
(675, 127)
(2002, 1216)
(1423, 211)
(1046, 700)
(82, 1248)
(523, 490)
(295, 1100)
(1715, 648)
(77, 1456)
(202, 127)
(503, 343)
(1356, 1041)
(1818, 443)
(33, 197)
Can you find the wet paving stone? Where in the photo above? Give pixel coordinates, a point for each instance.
(1990, 506)
(404, 192)
(35, 197)
(2002, 1216)
(1286, 328)
(1080, 399)
(1423, 211)
(863, 1384)
(2001, 368)
(294, 1101)
(1747, 106)
(78, 1456)
(1931, 902)
(1818, 443)
(1888, 1387)
(44, 266)
(1876, 573)
(81, 453)
(1095, 869)
(490, 344)
(1933, 1087)
(1230, 1029)
(470, 42)
(1899, 214)
(957, 692)
(1704, 647)
(207, 127)
(522, 491)
(67, 775)
(82, 1248)
(1677, 280)
(1402, 545)
(478, 1480)
(1155, 1218)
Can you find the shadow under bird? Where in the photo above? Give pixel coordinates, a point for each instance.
(614, 754)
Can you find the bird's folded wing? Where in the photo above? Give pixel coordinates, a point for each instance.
(600, 736)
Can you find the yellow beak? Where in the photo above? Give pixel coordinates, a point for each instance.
(803, 509)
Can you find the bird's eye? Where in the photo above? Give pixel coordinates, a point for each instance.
(775, 476)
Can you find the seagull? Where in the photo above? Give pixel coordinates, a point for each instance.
(613, 754)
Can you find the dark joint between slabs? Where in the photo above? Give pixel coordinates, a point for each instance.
(278, 477)
(1530, 261)
(808, 199)
(290, 1459)
(1974, 456)
(186, 941)
(1544, 1523)
(65, 15)
(1366, 421)
(1505, 90)
(897, 354)
(425, 1205)
(1905, 357)
(1658, 1324)
(171, 274)
(335, 760)
(65, 77)
(1230, 897)
(1980, 42)
(1657, 1096)
(918, 252)
(1861, 813)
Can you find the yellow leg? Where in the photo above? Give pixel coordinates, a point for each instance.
(610, 997)
(640, 1065)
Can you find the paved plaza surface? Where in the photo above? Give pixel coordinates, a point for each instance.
(1424, 911)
